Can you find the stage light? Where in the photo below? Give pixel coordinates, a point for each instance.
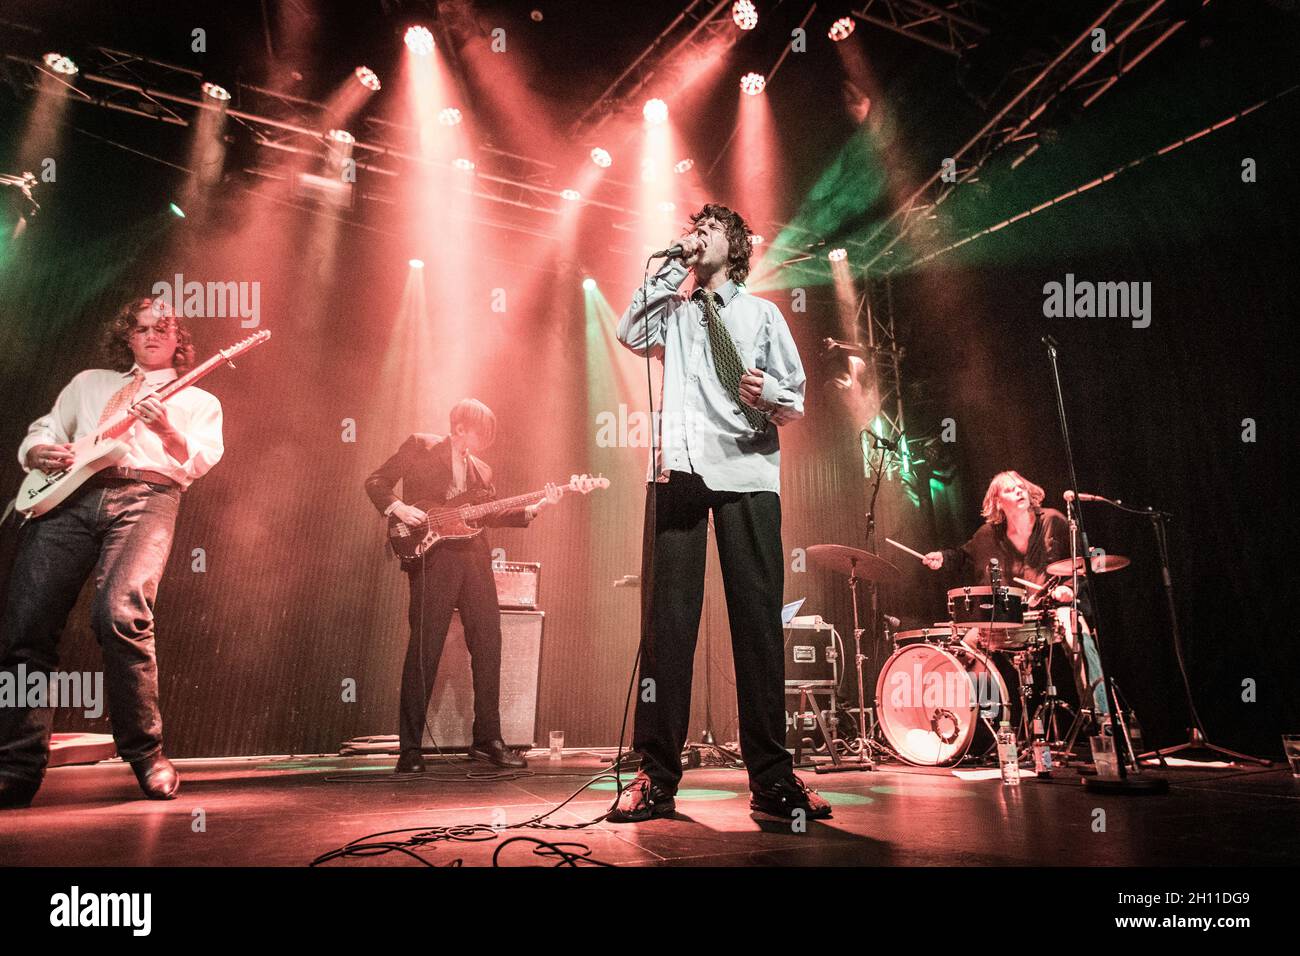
(571, 194)
(416, 263)
(756, 240)
(218, 93)
(342, 136)
(655, 112)
(684, 166)
(753, 83)
(176, 210)
(601, 157)
(744, 14)
(419, 40)
(667, 206)
(841, 29)
(465, 165)
(60, 64)
(837, 255)
(368, 78)
(449, 116)
(588, 283)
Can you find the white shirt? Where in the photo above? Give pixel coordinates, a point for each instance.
(702, 429)
(194, 413)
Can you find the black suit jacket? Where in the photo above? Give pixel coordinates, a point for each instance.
(423, 466)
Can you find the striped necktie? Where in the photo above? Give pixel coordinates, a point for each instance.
(121, 398)
(726, 359)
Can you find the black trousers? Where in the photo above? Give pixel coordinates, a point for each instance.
(748, 527)
(456, 574)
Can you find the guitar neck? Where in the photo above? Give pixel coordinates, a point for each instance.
(474, 512)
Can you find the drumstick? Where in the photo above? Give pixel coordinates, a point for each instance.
(1029, 584)
(903, 547)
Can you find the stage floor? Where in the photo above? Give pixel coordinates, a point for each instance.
(288, 811)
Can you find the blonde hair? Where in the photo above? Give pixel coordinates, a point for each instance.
(990, 509)
(474, 415)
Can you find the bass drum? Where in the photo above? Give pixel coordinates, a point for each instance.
(932, 701)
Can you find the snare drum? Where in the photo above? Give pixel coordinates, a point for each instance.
(1039, 630)
(941, 633)
(987, 608)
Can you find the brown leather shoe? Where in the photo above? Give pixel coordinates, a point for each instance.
(643, 799)
(158, 778)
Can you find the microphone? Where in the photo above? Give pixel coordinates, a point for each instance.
(1084, 496)
(675, 251)
(892, 621)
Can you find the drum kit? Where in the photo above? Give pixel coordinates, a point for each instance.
(941, 694)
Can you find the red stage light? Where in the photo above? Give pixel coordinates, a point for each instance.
(601, 157)
(416, 263)
(463, 164)
(841, 29)
(368, 78)
(744, 14)
(684, 166)
(571, 194)
(216, 92)
(60, 64)
(756, 240)
(667, 206)
(753, 83)
(449, 117)
(419, 40)
(655, 112)
(341, 136)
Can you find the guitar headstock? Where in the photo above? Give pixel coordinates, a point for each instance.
(585, 484)
(257, 338)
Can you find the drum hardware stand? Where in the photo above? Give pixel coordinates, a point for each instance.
(864, 761)
(1135, 782)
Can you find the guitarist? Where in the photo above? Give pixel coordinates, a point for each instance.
(454, 574)
(120, 524)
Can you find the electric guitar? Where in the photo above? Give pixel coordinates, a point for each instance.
(41, 493)
(458, 518)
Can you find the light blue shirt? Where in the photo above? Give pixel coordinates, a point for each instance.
(701, 428)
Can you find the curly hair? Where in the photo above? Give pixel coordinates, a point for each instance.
(115, 341)
(740, 239)
(992, 512)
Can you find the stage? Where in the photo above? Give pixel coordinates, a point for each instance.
(288, 811)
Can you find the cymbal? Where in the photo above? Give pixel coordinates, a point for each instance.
(846, 560)
(1101, 563)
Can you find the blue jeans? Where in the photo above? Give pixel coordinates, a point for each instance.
(122, 530)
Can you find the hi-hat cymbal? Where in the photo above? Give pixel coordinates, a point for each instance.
(846, 560)
(1101, 563)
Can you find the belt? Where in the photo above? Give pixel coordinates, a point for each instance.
(136, 474)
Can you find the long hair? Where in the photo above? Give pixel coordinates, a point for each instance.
(740, 241)
(992, 512)
(115, 340)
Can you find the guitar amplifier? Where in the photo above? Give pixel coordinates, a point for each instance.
(811, 653)
(517, 584)
(450, 717)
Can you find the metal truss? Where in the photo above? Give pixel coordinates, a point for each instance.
(953, 27)
(1132, 29)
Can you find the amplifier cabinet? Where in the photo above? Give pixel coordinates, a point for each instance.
(451, 709)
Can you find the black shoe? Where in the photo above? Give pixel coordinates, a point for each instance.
(16, 794)
(409, 761)
(158, 778)
(642, 800)
(498, 754)
(784, 797)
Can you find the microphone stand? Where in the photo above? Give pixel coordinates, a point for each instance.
(1134, 782)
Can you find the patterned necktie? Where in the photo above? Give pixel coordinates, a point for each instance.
(726, 359)
(121, 398)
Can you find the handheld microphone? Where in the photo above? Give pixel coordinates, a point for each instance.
(675, 251)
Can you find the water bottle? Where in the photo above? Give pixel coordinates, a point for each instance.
(1008, 757)
(1042, 750)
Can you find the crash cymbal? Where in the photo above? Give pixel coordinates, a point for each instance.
(846, 560)
(1101, 563)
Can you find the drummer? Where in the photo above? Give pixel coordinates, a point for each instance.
(1025, 538)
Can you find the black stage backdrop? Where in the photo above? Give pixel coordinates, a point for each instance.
(297, 596)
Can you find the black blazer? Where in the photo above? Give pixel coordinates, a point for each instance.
(423, 466)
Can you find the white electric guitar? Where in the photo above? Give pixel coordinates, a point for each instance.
(41, 492)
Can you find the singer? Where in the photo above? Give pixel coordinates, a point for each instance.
(1025, 538)
(731, 376)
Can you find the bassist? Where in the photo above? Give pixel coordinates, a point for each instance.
(454, 574)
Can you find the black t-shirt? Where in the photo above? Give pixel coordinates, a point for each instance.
(1049, 540)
